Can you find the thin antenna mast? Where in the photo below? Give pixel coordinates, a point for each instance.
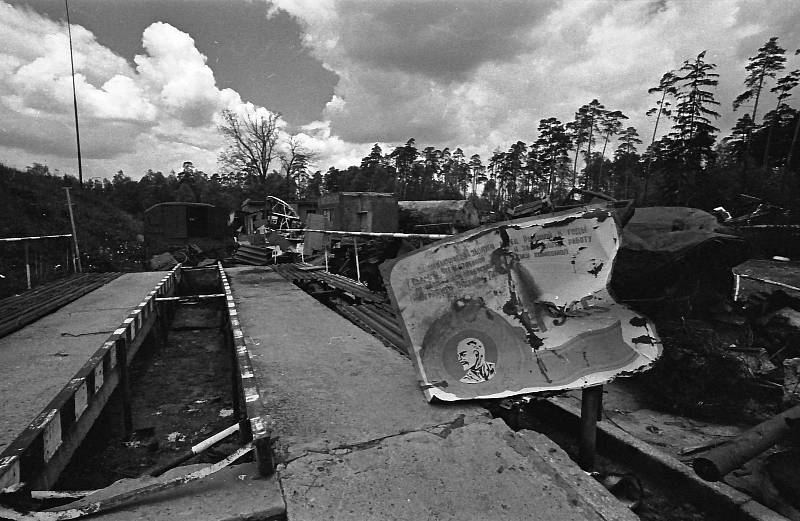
(74, 98)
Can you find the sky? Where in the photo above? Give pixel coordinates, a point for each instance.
(153, 76)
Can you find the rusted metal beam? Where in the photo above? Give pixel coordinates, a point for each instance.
(721, 460)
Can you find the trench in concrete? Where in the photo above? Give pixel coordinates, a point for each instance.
(181, 393)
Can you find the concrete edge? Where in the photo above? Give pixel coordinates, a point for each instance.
(723, 497)
(586, 487)
(270, 514)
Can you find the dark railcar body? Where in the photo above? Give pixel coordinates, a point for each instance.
(176, 224)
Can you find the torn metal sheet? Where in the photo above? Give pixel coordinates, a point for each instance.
(519, 307)
(671, 229)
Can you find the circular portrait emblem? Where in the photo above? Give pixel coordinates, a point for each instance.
(472, 358)
(474, 349)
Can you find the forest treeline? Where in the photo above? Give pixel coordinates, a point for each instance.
(683, 162)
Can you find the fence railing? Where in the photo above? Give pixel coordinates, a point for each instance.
(39, 261)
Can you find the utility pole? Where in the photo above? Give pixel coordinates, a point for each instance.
(75, 106)
(74, 233)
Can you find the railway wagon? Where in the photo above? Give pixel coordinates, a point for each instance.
(175, 225)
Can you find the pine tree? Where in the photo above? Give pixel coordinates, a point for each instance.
(666, 86)
(552, 148)
(783, 88)
(692, 131)
(766, 64)
(626, 155)
(610, 124)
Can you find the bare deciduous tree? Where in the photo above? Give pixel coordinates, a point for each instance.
(296, 158)
(251, 140)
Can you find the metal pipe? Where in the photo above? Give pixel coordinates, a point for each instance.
(194, 450)
(13, 239)
(189, 298)
(379, 234)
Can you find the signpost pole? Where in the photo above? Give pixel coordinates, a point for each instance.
(28, 264)
(591, 404)
(74, 233)
(358, 268)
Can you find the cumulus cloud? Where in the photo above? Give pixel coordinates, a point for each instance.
(175, 74)
(329, 150)
(466, 73)
(482, 74)
(164, 109)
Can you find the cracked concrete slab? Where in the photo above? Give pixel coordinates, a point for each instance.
(480, 471)
(324, 381)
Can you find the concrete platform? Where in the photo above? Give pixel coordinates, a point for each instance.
(477, 472)
(38, 360)
(359, 440)
(326, 382)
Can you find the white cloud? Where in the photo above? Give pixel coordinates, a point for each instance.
(176, 75)
(481, 75)
(330, 150)
(156, 114)
(467, 73)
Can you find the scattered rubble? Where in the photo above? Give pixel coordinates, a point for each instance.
(162, 261)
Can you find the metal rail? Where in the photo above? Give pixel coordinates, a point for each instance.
(379, 234)
(20, 310)
(17, 239)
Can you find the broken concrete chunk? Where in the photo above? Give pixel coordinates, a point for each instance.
(791, 380)
(162, 262)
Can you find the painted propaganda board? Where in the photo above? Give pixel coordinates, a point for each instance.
(519, 307)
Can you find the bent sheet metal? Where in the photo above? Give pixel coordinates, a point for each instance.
(519, 307)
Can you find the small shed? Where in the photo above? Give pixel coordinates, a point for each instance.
(304, 208)
(360, 211)
(438, 216)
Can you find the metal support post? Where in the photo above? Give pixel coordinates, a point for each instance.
(264, 458)
(74, 233)
(28, 264)
(358, 268)
(591, 403)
